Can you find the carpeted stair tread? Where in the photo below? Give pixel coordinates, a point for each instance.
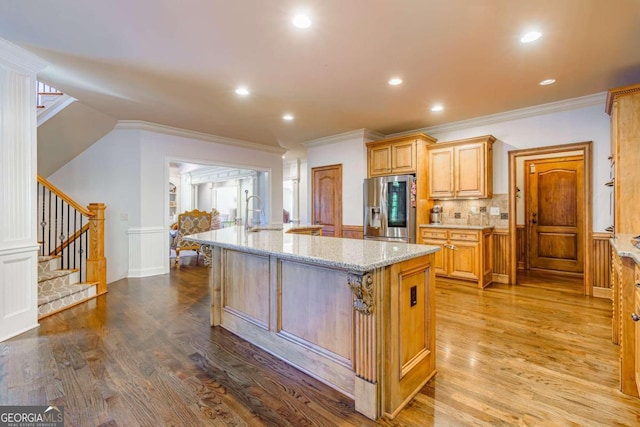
(59, 293)
(47, 258)
(48, 275)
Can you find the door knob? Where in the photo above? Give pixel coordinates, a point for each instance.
(635, 317)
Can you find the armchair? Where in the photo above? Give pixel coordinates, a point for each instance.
(191, 222)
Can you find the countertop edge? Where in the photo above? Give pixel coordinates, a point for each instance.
(458, 226)
(623, 246)
(360, 268)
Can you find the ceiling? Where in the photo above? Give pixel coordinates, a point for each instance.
(177, 63)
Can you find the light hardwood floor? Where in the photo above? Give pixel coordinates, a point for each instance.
(144, 355)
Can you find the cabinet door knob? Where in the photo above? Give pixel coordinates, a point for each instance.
(635, 317)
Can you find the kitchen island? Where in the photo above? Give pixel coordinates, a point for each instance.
(358, 315)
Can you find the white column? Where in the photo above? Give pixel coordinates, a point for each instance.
(18, 169)
(295, 177)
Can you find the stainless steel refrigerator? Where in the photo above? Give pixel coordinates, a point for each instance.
(389, 208)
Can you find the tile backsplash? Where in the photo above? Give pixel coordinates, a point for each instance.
(457, 211)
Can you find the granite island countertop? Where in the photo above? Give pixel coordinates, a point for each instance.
(458, 226)
(351, 254)
(623, 246)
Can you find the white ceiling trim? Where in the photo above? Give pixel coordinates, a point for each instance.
(183, 133)
(19, 59)
(537, 110)
(345, 136)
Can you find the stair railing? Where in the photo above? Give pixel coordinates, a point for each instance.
(72, 232)
(43, 90)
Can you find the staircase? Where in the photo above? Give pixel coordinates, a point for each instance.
(71, 263)
(58, 289)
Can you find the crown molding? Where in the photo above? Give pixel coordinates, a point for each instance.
(536, 110)
(345, 136)
(19, 59)
(200, 136)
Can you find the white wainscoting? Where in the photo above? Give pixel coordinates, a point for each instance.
(18, 165)
(18, 290)
(148, 251)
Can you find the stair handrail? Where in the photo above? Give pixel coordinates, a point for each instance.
(96, 263)
(55, 190)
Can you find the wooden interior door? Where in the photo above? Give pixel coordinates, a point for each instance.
(555, 209)
(327, 199)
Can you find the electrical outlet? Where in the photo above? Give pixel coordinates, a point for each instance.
(504, 215)
(474, 209)
(483, 209)
(457, 215)
(495, 210)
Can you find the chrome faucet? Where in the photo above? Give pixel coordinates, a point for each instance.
(246, 208)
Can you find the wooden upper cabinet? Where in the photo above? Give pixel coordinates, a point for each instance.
(396, 156)
(461, 169)
(403, 157)
(441, 173)
(623, 104)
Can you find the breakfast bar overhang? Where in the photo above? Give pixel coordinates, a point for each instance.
(358, 315)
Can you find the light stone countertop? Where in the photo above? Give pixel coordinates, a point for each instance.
(350, 254)
(458, 226)
(622, 244)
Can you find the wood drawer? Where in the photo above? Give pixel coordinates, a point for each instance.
(434, 234)
(466, 235)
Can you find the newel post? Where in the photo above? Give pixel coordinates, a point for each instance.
(96, 262)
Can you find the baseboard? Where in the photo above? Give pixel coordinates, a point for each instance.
(500, 278)
(144, 272)
(602, 292)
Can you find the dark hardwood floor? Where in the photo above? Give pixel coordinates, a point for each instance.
(145, 355)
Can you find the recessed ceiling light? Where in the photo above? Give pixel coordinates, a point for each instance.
(395, 81)
(287, 117)
(242, 91)
(547, 82)
(437, 108)
(301, 21)
(531, 36)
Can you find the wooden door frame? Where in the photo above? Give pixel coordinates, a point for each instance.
(587, 153)
(337, 232)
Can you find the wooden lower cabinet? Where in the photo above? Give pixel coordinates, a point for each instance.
(466, 254)
(626, 309)
(637, 331)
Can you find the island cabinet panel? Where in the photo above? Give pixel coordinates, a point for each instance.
(358, 315)
(316, 309)
(410, 341)
(246, 287)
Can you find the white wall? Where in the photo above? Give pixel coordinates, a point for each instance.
(128, 170)
(578, 124)
(565, 127)
(352, 154)
(109, 172)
